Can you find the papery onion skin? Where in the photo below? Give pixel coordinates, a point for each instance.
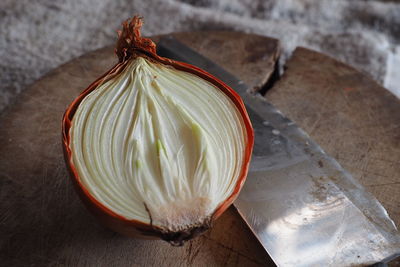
(130, 45)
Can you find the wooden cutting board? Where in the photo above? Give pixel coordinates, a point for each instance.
(43, 222)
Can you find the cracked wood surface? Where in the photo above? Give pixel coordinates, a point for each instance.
(44, 223)
(350, 116)
(42, 220)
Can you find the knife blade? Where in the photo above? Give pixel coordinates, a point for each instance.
(303, 207)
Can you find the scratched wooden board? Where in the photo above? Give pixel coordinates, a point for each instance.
(42, 221)
(350, 116)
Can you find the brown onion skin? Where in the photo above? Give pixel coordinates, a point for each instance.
(130, 45)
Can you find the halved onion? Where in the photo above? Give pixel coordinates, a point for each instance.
(156, 147)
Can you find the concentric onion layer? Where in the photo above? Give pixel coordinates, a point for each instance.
(158, 145)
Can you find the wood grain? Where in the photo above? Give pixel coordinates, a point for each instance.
(350, 116)
(42, 220)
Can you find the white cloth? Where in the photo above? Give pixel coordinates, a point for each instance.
(38, 35)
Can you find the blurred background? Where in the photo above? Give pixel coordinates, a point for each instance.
(39, 35)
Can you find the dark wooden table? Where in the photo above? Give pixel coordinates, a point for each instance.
(42, 221)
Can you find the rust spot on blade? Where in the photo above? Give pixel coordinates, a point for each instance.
(320, 164)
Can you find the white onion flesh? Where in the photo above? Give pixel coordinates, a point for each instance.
(158, 145)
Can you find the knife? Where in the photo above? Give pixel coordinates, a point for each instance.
(302, 206)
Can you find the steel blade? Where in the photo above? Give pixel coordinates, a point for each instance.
(304, 208)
